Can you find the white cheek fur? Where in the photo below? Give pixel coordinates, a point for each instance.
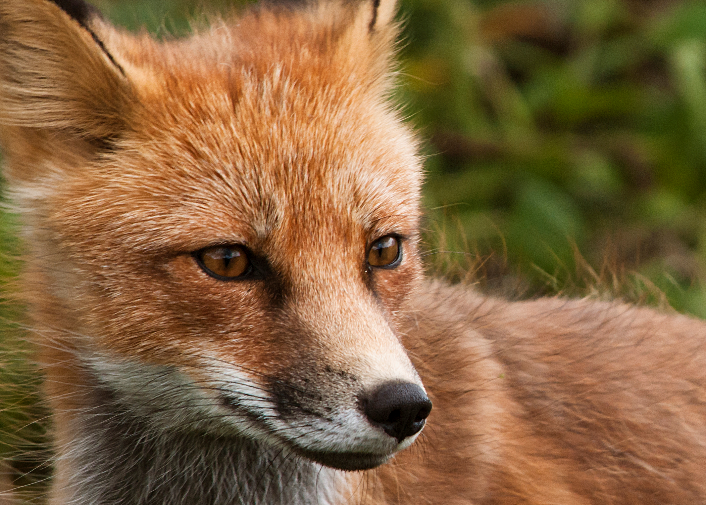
(344, 429)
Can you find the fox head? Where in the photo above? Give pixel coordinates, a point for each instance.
(222, 231)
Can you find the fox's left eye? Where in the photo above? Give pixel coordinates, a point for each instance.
(226, 262)
(386, 252)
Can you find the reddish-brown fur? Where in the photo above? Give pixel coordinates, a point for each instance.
(274, 131)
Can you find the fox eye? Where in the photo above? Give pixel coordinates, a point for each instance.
(386, 252)
(224, 262)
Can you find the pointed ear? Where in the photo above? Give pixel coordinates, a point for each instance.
(55, 74)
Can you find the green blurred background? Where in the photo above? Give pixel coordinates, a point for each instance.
(566, 144)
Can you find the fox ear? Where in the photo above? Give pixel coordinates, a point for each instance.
(55, 73)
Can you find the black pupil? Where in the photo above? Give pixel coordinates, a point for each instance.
(227, 255)
(384, 252)
(383, 244)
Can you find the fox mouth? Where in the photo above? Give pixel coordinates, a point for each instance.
(349, 461)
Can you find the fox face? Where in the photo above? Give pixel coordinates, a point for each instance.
(225, 226)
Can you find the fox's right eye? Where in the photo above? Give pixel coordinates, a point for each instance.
(225, 262)
(386, 252)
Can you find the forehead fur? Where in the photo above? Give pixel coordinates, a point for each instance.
(261, 118)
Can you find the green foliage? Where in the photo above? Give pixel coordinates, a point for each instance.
(558, 127)
(164, 18)
(22, 438)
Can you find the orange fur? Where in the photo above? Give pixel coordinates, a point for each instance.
(273, 131)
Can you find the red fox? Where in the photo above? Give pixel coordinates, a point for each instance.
(224, 278)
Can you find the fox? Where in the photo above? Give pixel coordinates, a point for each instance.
(227, 298)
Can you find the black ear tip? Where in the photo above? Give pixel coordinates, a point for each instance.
(82, 12)
(79, 10)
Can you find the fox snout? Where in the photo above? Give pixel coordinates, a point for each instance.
(318, 414)
(349, 401)
(396, 411)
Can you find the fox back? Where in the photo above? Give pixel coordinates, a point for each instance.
(224, 279)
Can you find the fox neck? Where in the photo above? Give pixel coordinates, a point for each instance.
(114, 457)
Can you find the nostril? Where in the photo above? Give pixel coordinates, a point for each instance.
(399, 408)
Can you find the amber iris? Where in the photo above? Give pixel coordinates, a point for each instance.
(225, 262)
(385, 252)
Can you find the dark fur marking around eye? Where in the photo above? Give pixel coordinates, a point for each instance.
(82, 12)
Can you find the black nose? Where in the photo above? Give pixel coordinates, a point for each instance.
(399, 408)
